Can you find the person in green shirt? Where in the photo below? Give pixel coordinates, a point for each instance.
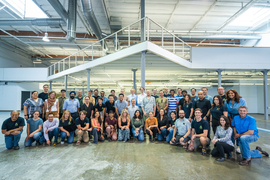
(80, 97)
(61, 101)
(137, 124)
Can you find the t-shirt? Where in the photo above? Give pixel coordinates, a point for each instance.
(34, 124)
(182, 126)
(223, 98)
(245, 124)
(167, 95)
(83, 123)
(200, 126)
(203, 104)
(187, 109)
(162, 102)
(209, 98)
(120, 105)
(156, 96)
(172, 122)
(216, 112)
(173, 101)
(88, 109)
(110, 121)
(100, 107)
(181, 103)
(137, 124)
(96, 98)
(68, 125)
(150, 122)
(8, 124)
(43, 96)
(195, 98)
(110, 106)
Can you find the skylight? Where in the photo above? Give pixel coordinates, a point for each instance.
(24, 8)
(252, 17)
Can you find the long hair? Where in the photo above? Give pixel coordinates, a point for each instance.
(140, 115)
(159, 114)
(69, 116)
(236, 97)
(189, 100)
(220, 101)
(227, 124)
(124, 110)
(99, 118)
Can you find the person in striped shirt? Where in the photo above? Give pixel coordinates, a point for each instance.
(173, 101)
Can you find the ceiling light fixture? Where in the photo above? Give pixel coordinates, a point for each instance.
(45, 38)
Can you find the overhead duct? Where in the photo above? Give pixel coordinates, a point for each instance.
(53, 23)
(91, 18)
(72, 15)
(59, 9)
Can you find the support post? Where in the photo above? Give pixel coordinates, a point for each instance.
(265, 88)
(134, 80)
(50, 89)
(66, 79)
(219, 77)
(88, 79)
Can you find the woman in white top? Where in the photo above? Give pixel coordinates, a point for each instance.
(51, 105)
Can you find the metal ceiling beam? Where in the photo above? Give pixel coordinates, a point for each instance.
(174, 9)
(54, 23)
(72, 20)
(59, 9)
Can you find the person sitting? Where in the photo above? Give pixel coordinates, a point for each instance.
(123, 123)
(163, 124)
(111, 126)
(151, 126)
(50, 129)
(12, 128)
(137, 124)
(222, 139)
(183, 129)
(67, 127)
(97, 127)
(171, 126)
(199, 133)
(82, 123)
(34, 130)
(245, 132)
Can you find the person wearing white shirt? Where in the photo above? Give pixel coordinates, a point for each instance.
(140, 98)
(50, 129)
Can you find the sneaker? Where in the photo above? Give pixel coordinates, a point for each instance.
(55, 143)
(124, 141)
(220, 159)
(238, 151)
(78, 143)
(109, 139)
(153, 140)
(16, 147)
(203, 151)
(62, 142)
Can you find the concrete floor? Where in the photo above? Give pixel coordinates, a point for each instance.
(118, 160)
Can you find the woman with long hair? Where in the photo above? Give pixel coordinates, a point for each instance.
(137, 124)
(163, 124)
(97, 129)
(67, 127)
(123, 124)
(188, 107)
(171, 126)
(222, 139)
(51, 105)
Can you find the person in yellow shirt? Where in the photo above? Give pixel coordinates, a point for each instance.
(151, 125)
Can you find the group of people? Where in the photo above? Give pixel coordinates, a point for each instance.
(183, 119)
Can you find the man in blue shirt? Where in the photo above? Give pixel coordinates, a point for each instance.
(245, 131)
(132, 95)
(173, 101)
(205, 90)
(72, 104)
(179, 93)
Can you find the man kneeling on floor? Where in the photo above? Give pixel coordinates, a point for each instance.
(183, 129)
(50, 129)
(12, 129)
(82, 123)
(199, 132)
(245, 132)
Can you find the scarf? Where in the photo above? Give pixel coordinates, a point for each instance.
(50, 103)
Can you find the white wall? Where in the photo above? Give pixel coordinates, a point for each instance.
(23, 74)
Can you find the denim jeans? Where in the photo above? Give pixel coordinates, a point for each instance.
(54, 133)
(12, 140)
(38, 137)
(97, 135)
(123, 135)
(245, 149)
(163, 134)
(170, 135)
(70, 138)
(140, 135)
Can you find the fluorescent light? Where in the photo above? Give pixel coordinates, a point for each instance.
(37, 62)
(45, 38)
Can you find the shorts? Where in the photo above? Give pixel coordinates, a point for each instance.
(197, 142)
(178, 137)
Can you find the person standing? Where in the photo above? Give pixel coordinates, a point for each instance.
(103, 97)
(140, 98)
(221, 92)
(206, 96)
(173, 101)
(162, 103)
(44, 94)
(101, 108)
(132, 95)
(61, 101)
(51, 105)
(154, 91)
(179, 93)
(88, 107)
(125, 97)
(132, 108)
(12, 128)
(188, 107)
(148, 104)
(181, 101)
(72, 105)
(50, 129)
(92, 99)
(114, 96)
(166, 92)
(110, 106)
(80, 97)
(33, 104)
(96, 96)
(193, 95)
(120, 104)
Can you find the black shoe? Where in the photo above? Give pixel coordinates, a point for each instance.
(153, 140)
(262, 152)
(16, 147)
(164, 140)
(220, 159)
(38, 143)
(229, 155)
(109, 139)
(150, 138)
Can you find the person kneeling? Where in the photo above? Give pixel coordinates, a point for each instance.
(183, 129)
(245, 132)
(151, 126)
(96, 128)
(199, 132)
(50, 129)
(82, 123)
(67, 127)
(111, 126)
(12, 129)
(222, 140)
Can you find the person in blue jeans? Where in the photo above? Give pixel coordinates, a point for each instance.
(171, 126)
(137, 124)
(67, 127)
(50, 129)
(34, 130)
(245, 132)
(163, 124)
(12, 128)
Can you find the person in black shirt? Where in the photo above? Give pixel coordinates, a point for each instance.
(88, 107)
(82, 123)
(96, 96)
(67, 127)
(155, 93)
(12, 129)
(44, 94)
(110, 105)
(221, 92)
(188, 107)
(199, 132)
(113, 94)
(163, 124)
(216, 112)
(181, 101)
(204, 105)
(101, 108)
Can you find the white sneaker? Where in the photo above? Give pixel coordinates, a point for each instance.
(238, 150)
(62, 142)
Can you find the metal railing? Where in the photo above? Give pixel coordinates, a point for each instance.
(125, 37)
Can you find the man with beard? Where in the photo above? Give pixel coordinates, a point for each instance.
(72, 104)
